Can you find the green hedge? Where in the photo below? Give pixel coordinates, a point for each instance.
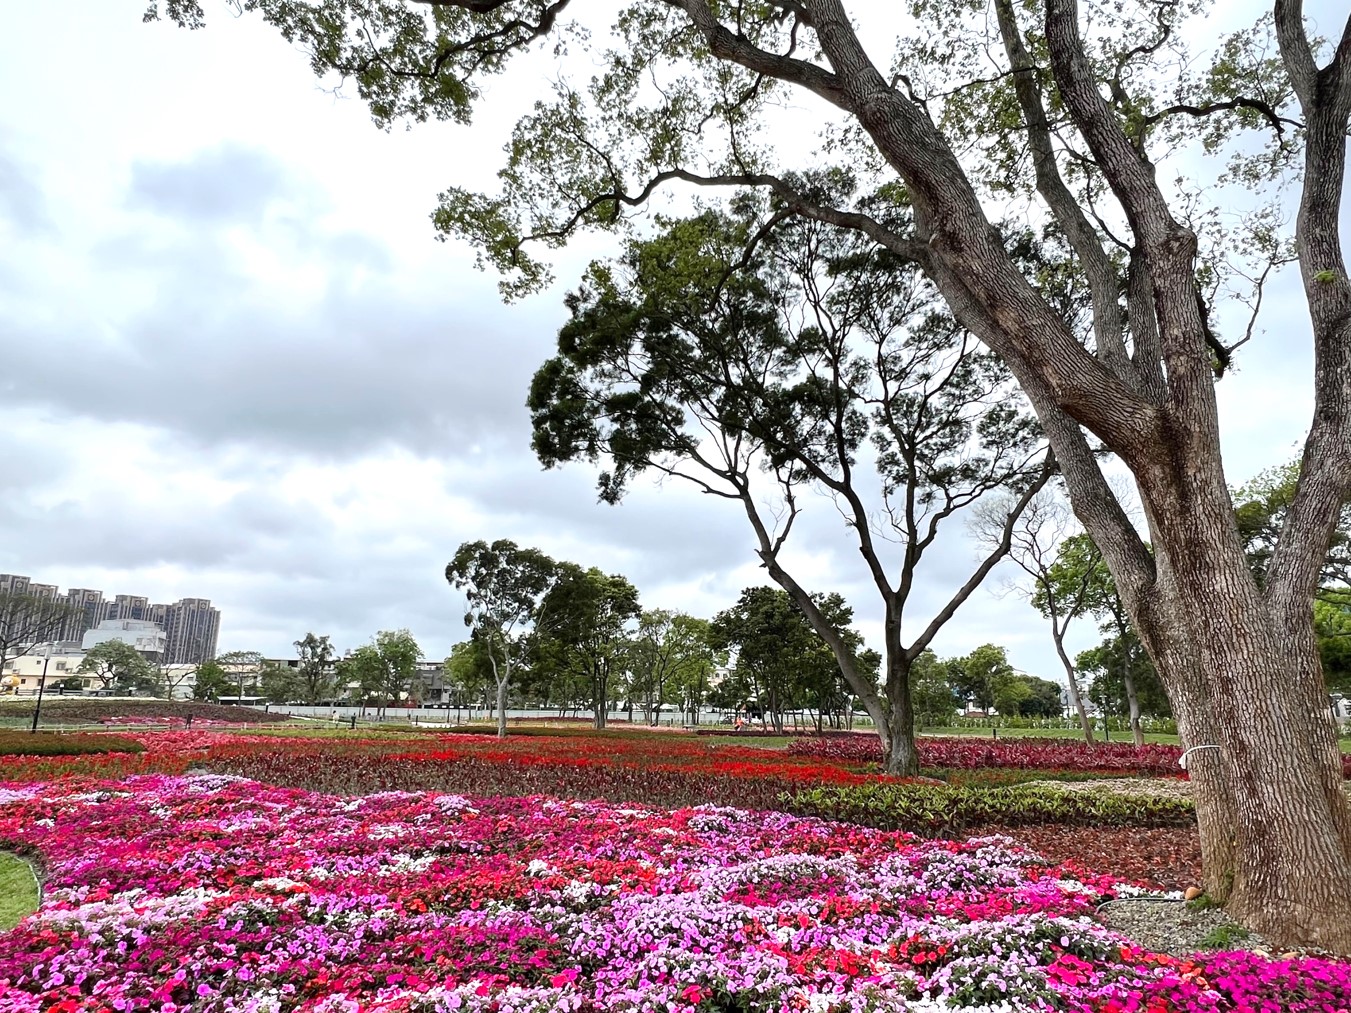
(941, 808)
(17, 743)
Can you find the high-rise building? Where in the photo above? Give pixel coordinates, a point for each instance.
(12, 583)
(191, 625)
(88, 605)
(127, 606)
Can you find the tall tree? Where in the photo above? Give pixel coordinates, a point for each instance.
(468, 673)
(1122, 679)
(1097, 102)
(316, 666)
(505, 587)
(782, 661)
(363, 672)
(668, 652)
(1059, 596)
(979, 676)
(586, 616)
(1080, 571)
(211, 682)
(399, 654)
(281, 683)
(28, 622)
(830, 367)
(118, 666)
(245, 668)
(935, 700)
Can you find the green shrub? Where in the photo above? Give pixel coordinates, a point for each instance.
(1224, 936)
(17, 743)
(944, 808)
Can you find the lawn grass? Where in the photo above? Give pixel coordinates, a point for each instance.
(18, 890)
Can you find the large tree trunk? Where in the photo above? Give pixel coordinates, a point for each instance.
(902, 755)
(1273, 816)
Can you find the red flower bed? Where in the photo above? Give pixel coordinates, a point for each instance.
(968, 753)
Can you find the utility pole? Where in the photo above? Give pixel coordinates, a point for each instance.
(42, 684)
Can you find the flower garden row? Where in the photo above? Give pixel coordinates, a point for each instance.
(214, 894)
(659, 771)
(1028, 753)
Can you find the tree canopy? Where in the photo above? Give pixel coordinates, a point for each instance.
(586, 620)
(823, 364)
(118, 666)
(504, 587)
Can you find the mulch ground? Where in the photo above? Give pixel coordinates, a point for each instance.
(1168, 857)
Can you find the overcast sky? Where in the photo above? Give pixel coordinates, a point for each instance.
(236, 365)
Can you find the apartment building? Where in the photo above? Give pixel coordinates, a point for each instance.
(191, 625)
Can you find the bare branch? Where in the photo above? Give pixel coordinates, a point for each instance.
(1277, 121)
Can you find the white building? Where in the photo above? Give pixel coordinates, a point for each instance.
(144, 636)
(22, 675)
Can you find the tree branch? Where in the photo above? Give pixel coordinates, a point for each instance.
(727, 45)
(1295, 50)
(1001, 550)
(1277, 121)
(1103, 282)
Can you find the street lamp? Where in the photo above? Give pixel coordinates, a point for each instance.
(42, 684)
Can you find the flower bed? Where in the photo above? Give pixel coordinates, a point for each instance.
(209, 894)
(57, 709)
(16, 743)
(1027, 753)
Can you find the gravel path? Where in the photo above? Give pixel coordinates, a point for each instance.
(1167, 786)
(1170, 926)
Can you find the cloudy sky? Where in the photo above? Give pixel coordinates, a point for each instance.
(236, 365)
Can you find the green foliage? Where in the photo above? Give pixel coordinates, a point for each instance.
(781, 661)
(118, 667)
(670, 659)
(1080, 578)
(980, 675)
(1332, 626)
(1261, 507)
(316, 667)
(932, 694)
(468, 670)
(504, 588)
(1224, 936)
(212, 682)
(281, 683)
(933, 808)
(1105, 667)
(384, 671)
(585, 618)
